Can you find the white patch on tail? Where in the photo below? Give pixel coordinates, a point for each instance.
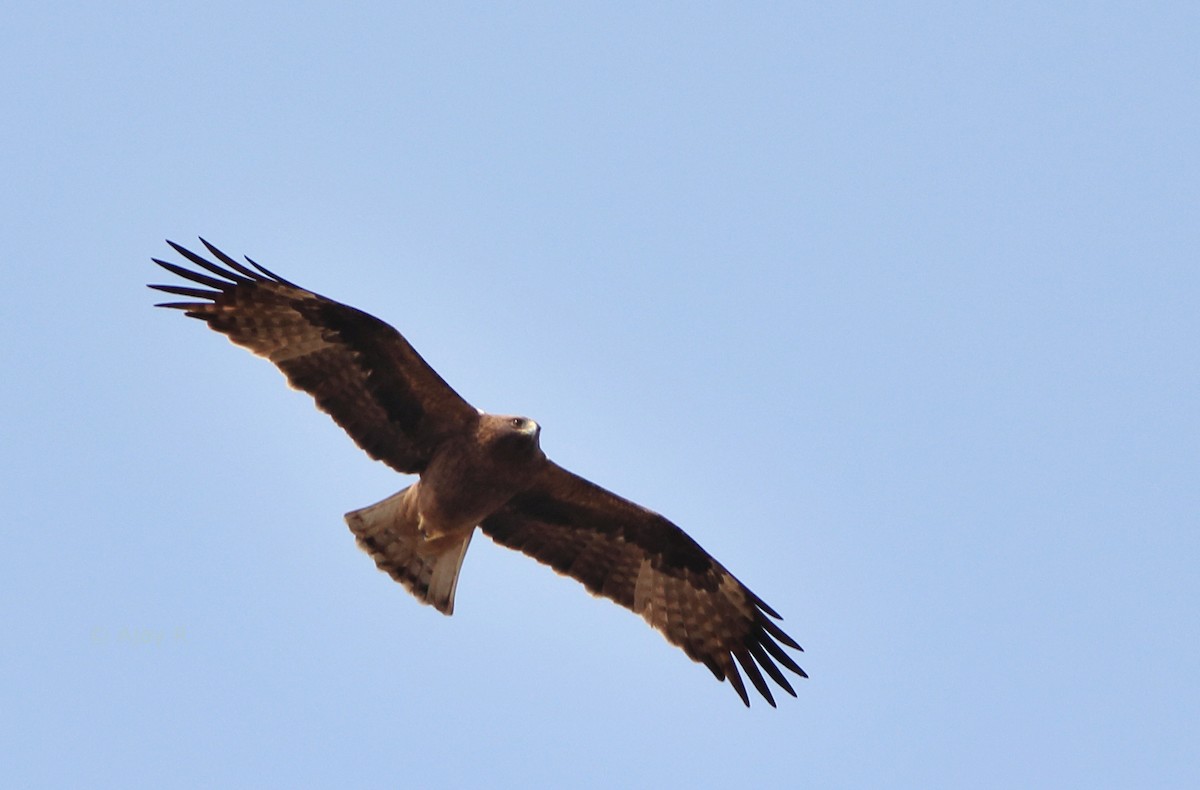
(428, 569)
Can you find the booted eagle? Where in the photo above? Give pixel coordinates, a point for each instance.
(479, 470)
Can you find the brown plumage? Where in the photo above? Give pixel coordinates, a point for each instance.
(482, 470)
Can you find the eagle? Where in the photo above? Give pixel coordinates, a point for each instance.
(479, 470)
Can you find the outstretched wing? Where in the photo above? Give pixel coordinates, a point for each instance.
(639, 559)
(361, 371)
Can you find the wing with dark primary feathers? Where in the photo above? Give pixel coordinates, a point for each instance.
(361, 371)
(639, 559)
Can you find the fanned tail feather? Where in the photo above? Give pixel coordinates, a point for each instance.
(428, 569)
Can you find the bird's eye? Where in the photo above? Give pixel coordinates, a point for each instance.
(517, 422)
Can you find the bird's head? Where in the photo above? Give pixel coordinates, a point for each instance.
(524, 426)
(512, 437)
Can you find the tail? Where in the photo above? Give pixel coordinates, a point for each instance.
(428, 569)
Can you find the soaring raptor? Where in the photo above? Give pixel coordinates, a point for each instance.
(479, 470)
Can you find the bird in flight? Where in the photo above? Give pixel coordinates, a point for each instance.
(479, 470)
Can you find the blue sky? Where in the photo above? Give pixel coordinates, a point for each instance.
(893, 307)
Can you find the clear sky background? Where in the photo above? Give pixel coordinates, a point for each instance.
(893, 307)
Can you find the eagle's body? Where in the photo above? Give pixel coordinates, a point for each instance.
(480, 470)
(420, 535)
